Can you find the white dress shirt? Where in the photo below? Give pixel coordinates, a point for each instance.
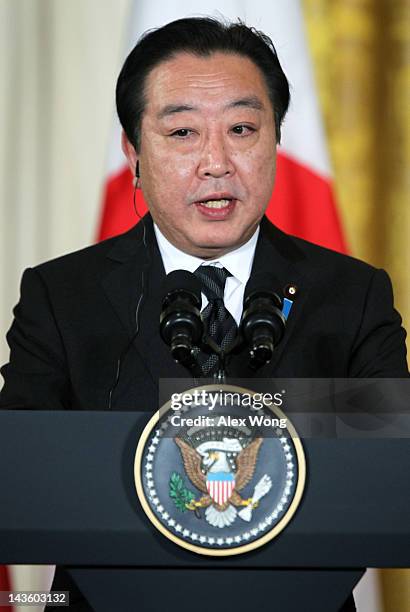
(238, 262)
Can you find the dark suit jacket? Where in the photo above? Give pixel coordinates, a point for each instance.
(77, 315)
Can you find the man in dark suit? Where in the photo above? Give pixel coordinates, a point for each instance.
(201, 105)
(76, 317)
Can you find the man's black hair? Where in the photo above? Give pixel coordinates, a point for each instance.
(199, 36)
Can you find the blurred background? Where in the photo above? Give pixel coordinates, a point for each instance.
(59, 62)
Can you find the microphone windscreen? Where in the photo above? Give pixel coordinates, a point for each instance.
(181, 281)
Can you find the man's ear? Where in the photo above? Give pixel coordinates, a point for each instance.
(129, 152)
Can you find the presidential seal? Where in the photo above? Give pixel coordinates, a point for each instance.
(217, 475)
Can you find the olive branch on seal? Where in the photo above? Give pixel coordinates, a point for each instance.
(179, 493)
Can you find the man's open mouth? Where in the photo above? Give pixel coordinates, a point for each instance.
(216, 204)
(216, 209)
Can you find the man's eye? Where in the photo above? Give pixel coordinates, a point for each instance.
(182, 133)
(242, 130)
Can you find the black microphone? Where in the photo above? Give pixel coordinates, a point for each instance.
(262, 323)
(181, 325)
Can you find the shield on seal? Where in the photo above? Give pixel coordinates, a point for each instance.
(220, 486)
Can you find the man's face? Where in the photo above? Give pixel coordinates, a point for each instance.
(208, 151)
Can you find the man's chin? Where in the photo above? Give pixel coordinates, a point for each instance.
(213, 249)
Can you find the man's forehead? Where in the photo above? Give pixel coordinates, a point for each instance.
(179, 83)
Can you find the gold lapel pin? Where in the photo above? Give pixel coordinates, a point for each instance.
(290, 291)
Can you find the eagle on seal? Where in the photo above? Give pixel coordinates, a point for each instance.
(219, 479)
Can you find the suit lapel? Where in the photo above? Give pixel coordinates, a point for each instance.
(122, 285)
(153, 350)
(134, 291)
(278, 257)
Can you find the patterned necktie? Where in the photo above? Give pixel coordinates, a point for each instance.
(219, 323)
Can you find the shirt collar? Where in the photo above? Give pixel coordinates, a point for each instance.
(238, 262)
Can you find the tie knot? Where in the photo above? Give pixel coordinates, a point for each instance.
(213, 281)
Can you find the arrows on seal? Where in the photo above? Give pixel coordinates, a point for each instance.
(261, 489)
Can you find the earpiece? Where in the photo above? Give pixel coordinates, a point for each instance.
(137, 175)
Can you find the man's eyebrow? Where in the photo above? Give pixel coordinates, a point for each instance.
(172, 109)
(249, 102)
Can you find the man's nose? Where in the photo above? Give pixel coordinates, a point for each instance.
(215, 158)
